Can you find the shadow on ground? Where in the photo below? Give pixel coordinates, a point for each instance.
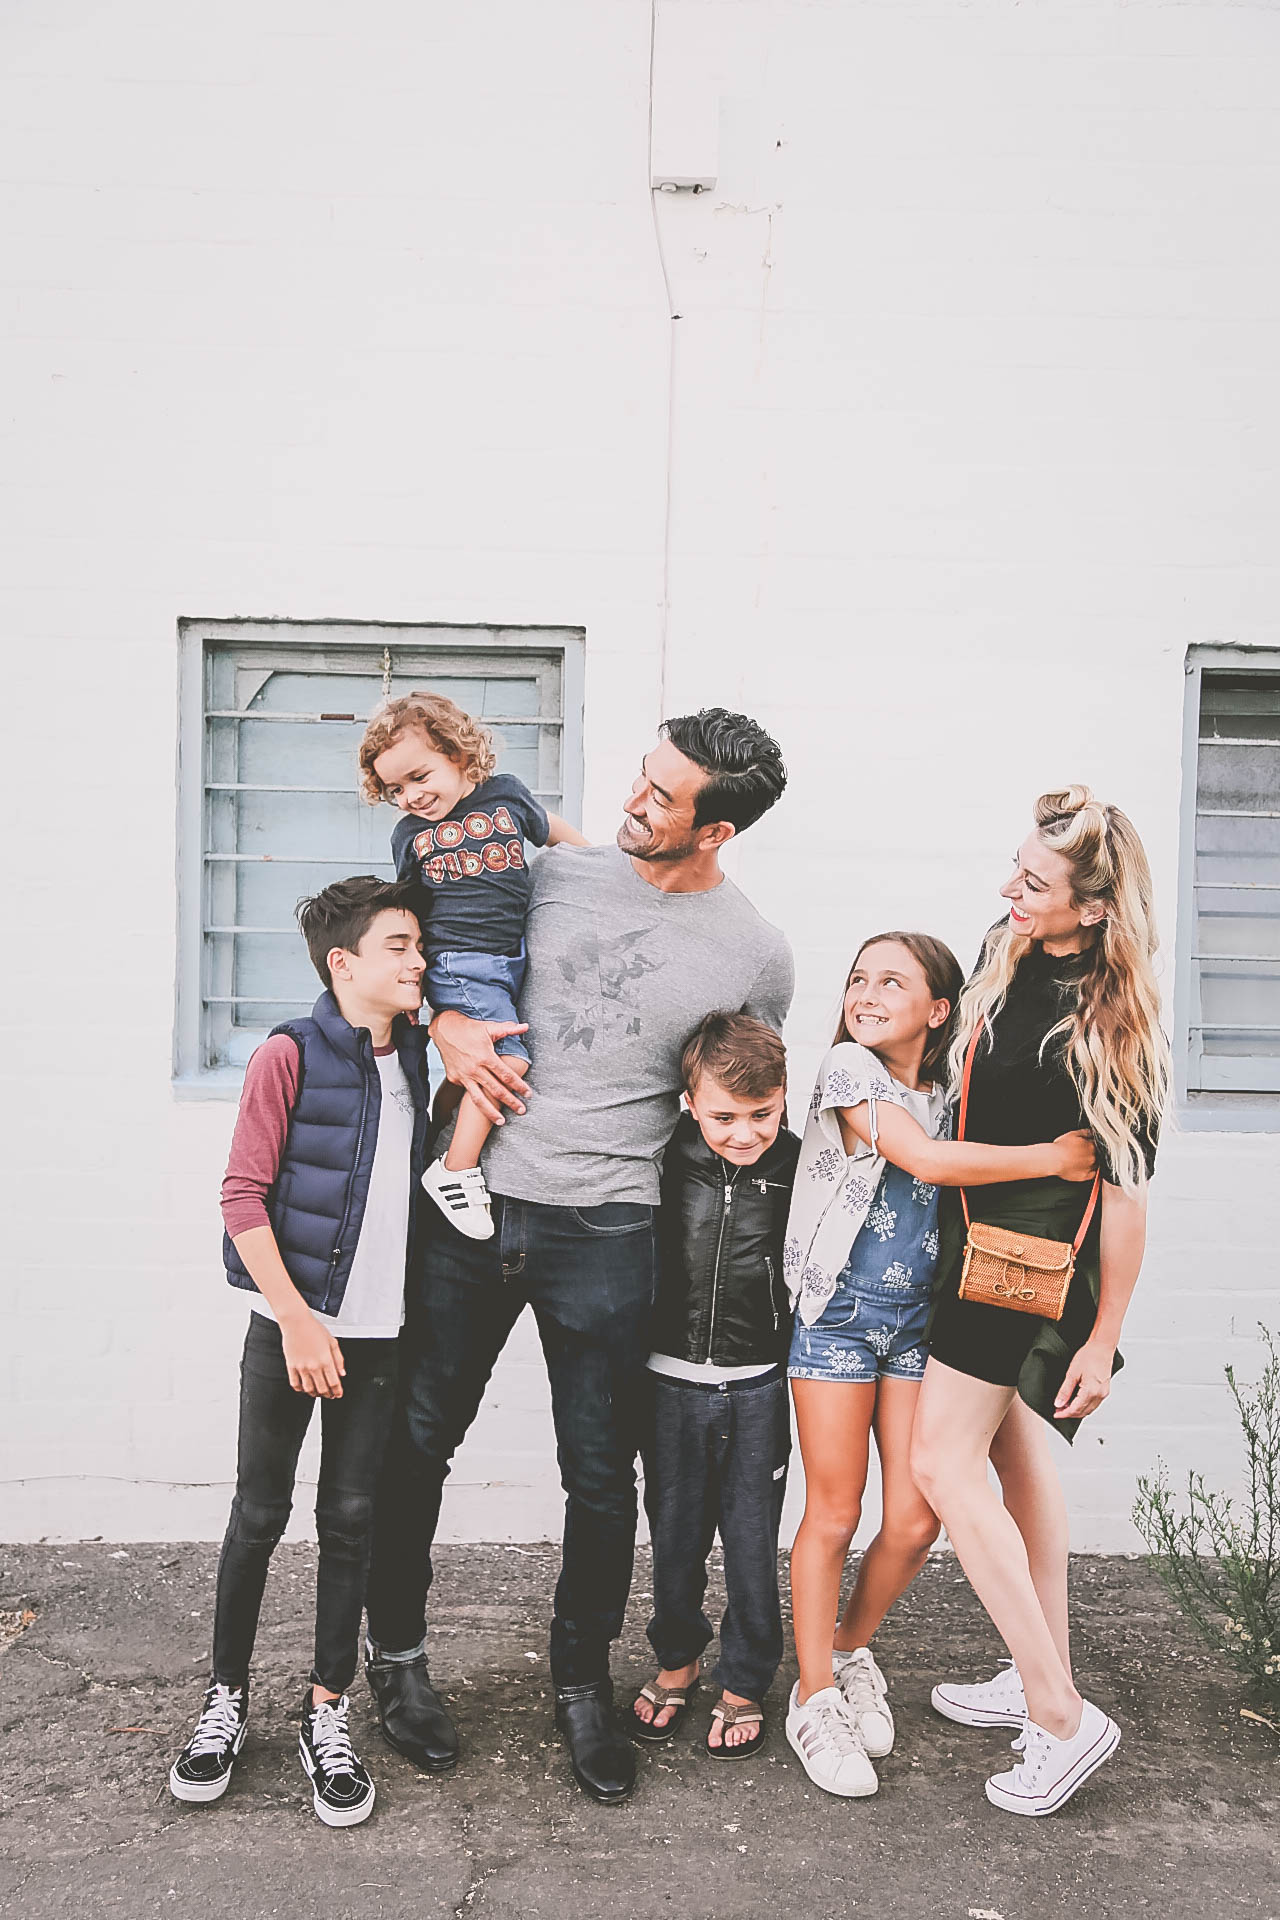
(97, 1693)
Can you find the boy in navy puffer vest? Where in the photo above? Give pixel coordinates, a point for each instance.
(317, 1201)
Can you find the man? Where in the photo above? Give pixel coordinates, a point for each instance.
(629, 947)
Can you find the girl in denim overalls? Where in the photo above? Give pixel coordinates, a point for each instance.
(861, 1250)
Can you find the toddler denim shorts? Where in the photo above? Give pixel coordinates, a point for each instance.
(863, 1334)
(484, 986)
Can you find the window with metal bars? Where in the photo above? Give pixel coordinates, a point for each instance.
(1231, 922)
(272, 718)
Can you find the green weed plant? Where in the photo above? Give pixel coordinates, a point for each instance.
(1219, 1557)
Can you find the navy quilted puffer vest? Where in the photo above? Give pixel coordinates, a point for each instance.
(316, 1206)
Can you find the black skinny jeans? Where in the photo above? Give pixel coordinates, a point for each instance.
(716, 1457)
(273, 1423)
(589, 1274)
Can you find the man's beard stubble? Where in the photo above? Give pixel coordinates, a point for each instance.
(643, 849)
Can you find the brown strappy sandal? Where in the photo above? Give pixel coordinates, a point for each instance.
(659, 1697)
(729, 1715)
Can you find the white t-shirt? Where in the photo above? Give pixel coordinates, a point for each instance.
(373, 1304)
(706, 1372)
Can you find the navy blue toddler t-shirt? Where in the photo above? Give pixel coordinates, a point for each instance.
(472, 867)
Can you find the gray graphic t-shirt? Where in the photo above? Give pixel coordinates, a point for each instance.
(619, 975)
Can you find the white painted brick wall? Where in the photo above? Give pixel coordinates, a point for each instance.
(975, 404)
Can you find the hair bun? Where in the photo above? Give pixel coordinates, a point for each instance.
(1069, 801)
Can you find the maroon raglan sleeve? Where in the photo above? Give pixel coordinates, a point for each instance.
(262, 1125)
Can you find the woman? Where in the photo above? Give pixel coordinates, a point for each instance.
(1066, 1012)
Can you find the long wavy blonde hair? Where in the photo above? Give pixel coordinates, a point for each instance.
(1113, 1043)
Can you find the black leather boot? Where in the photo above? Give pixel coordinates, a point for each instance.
(604, 1760)
(413, 1717)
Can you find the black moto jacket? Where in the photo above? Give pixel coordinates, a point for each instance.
(721, 1295)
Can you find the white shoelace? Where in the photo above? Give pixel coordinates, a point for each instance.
(834, 1729)
(857, 1683)
(1006, 1680)
(1035, 1752)
(219, 1722)
(330, 1738)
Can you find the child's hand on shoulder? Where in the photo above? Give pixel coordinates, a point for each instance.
(313, 1357)
(1077, 1156)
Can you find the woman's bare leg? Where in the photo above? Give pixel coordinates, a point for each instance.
(1033, 1495)
(833, 1418)
(956, 1421)
(908, 1524)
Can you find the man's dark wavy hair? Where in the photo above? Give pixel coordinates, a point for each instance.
(743, 765)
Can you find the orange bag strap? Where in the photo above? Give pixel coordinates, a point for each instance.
(1078, 1242)
(964, 1108)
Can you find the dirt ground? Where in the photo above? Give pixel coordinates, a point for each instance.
(98, 1690)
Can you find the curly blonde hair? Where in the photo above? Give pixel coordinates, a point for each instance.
(1114, 1045)
(448, 729)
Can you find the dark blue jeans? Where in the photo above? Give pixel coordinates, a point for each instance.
(589, 1274)
(273, 1424)
(716, 1457)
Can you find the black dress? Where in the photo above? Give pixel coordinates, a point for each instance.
(1017, 1097)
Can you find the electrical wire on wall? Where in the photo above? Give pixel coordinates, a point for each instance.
(673, 319)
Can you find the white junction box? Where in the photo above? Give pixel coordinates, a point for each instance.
(684, 149)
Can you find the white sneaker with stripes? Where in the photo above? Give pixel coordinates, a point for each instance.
(1050, 1769)
(999, 1702)
(825, 1736)
(462, 1198)
(867, 1697)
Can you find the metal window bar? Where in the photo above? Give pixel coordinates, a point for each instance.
(1237, 1026)
(258, 786)
(1235, 783)
(354, 719)
(231, 669)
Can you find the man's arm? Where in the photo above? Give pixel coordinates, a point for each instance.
(467, 1054)
(311, 1353)
(773, 988)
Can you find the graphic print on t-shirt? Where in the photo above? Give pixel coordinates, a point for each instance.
(465, 849)
(604, 977)
(472, 867)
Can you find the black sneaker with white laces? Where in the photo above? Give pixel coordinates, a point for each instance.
(343, 1793)
(202, 1771)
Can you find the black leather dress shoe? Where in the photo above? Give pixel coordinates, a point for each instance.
(413, 1717)
(603, 1759)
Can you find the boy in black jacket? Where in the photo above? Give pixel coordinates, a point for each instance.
(719, 1430)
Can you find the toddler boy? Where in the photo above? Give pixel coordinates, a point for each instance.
(718, 1435)
(462, 841)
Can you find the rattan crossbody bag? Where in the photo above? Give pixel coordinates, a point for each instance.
(1006, 1268)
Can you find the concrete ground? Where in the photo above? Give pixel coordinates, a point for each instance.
(97, 1693)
